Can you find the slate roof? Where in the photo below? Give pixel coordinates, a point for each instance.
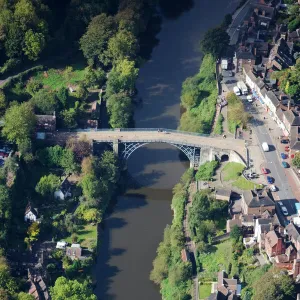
(65, 186)
(257, 199)
(45, 122)
(223, 192)
(292, 231)
(273, 98)
(294, 138)
(29, 208)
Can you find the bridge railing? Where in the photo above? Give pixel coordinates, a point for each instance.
(135, 129)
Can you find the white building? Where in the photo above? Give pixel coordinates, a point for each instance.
(64, 191)
(31, 214)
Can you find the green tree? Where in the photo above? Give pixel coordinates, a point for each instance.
(274, 285)
(33, 232)
(122, 78)
(236, 233)
(33, 86)
(8, 286)
(25, 13)
(214, 41)
(3, 102)
(94, 78)
(45, 101)
(207, 170)
(47, 185)
(65, 289)
(94, 42)
(69, 117)
(190, 93)
(14, 41)
(120, 110)
(296, 160)
(62, 95)
(34, 44)
(19, 122)
(123, 45)
(67, 161)
(25, 296)
(90, 187)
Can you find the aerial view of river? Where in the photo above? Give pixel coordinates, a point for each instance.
(135, 228)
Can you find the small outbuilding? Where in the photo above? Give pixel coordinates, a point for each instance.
(64, 191)
(223, 194)
(61, 245)
(31, 214)
(74, 252)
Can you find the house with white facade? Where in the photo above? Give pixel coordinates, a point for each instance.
(64, 191)
(31, 214)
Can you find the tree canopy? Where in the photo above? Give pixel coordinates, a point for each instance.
(214, 41)
(19, 122)
(66, 289)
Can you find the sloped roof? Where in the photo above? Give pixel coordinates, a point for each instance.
(257, 199)
(271, 238)
(273, 98)
(29, 208)
(292, 231)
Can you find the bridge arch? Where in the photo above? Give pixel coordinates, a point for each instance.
(192, 152)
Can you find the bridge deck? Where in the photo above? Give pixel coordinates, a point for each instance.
(169, 137)
(150, 136)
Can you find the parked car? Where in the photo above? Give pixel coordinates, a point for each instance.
(284, 141)
(280, 203)
(270, 179)
(283, 155)
(249, 98)
(287, 148)
(264, 171)
(273, 188)
(284, 210)
(285, 164)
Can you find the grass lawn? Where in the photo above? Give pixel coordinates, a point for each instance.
(204, 290)
(216, 260)
(232, 171)
(86, 235)
(56, 78)
(244, 184)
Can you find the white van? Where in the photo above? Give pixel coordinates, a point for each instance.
(237, 91)
(265, 146)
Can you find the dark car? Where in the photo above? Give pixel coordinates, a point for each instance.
(270, 179)
(285, 164)
(283, 155)
(284, 141)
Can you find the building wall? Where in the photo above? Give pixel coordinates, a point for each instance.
(30, 216)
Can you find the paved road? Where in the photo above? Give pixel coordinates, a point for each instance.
(272, 160)
(155, 136)
(239, 17)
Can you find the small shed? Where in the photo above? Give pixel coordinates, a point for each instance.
(31, 214)
(64, 191)
(74, 252)
(222, 194)
(61, 245)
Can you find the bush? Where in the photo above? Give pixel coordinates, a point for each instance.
(207, 170)
(219, 126)
(202, 103)
(237, 117)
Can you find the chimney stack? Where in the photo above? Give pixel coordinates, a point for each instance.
(289, 104)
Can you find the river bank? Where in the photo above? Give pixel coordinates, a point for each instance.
(137, 223)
